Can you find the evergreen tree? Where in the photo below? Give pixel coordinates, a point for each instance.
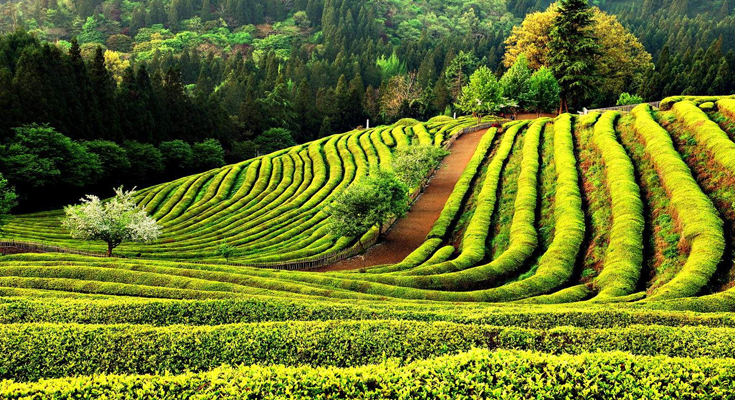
(573, 49)
(306, 112)
(206, 13)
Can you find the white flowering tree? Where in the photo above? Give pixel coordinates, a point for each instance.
(114, 221)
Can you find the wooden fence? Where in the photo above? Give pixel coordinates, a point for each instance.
(627, 108)
(294, 265)
(26, 247)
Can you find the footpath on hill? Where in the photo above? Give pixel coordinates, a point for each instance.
(410, 232)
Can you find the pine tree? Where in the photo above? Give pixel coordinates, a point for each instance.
(103, 89)
(573, 49)
(306, 112)
(206, 13)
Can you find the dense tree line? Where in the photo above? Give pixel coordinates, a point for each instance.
(255, 75)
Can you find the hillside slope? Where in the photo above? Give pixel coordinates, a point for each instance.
(272, 208)
(604, 207)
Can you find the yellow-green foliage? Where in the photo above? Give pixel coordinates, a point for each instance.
(700, 224)
(727, 107)
(473, 241)
(33, 351)
(624, 257)
(557, 264)
(423, 135)
(501, 375)
(707, 133)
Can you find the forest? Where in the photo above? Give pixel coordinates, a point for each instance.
(168, 81)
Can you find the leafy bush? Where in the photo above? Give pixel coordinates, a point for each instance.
(208, 154)
(498, 375)
(624, 256)
(32, 351)
(701, 225)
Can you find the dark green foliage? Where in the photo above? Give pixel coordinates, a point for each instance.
(146, 160)
(368, 203)
(177, 155)
(38, 156)
(114, 160)
(243, 150)
(573, 49)
(274, 139)
(208, 154)
(8, 200)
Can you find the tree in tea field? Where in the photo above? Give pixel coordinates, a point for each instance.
(114, 221)
(226, 250)
(372, 201)
(482, 95)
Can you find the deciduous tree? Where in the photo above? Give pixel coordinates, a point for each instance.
(516, 83)
(482, 95)
(114, 221)
(545, 91)
(372, 201)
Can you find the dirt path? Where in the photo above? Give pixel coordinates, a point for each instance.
(410, 232)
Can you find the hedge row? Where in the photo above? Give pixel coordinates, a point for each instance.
(557, 263)
(707, 133)
(485, 374)
(267, 207)
(624, 256)
(475, 235)
(284, 308)
(727, 107)
(700, 224)
(523, 233)
(461, 188)
(31, 352)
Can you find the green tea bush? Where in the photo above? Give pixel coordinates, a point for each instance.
(506, 375)
(624, 256)
(701, 225)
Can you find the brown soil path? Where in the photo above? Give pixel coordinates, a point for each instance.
(410, 232)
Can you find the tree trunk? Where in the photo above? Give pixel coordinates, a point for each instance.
(109, 249)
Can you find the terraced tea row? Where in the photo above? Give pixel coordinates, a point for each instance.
(271, 208)
(605, 208)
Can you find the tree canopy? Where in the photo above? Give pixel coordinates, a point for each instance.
(372, 201)
(617, 62)
(482, 95)
(114, 221)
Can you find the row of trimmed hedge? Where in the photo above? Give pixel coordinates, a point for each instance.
(727, 107)
(290, 308)
(557, 263)
(700, 223)
(475, 235)
(624, 256)
(523, 233)
(35, 351)
(707, 133)
(449, 212)
(506, 375)
(273, 193)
